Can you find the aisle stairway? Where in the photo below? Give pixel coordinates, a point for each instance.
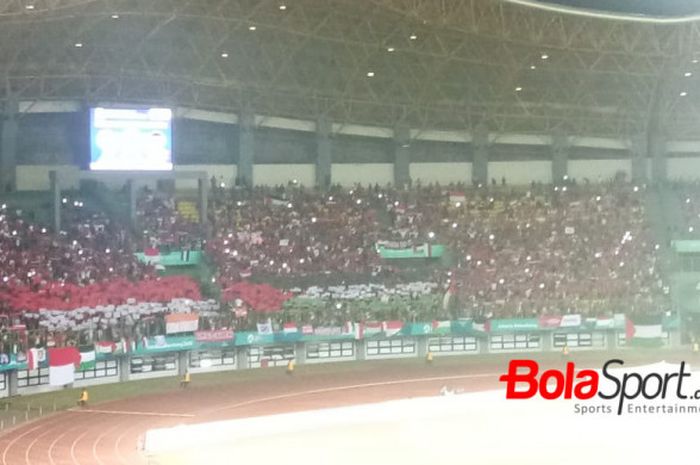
(188, 210)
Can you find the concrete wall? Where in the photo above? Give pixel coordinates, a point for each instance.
(362, 173)
(223, 173)
(276, 174)
(599, 170)
(36, 177)
(684, 168)
(443, 173)
(521, 172)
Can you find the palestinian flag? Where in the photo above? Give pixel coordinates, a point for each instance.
(62, 363)
(87, 358)
(646, 332)
(442, 327)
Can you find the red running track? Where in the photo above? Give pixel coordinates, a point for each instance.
(109, 433)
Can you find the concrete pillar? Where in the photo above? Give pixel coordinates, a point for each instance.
(560, 156)
(124, 368)
(675, 339)
(639, 152)
(659, 157)
(484, 344)
(547, 338)
(324, 157)
(183, 362)
(55, 183)
(300, 353)
(246, 149)
(8, 146)
(203, 200)
(133, 193)
(242, 362)
(422, 346)
(480, 165)
(12, 383)
(611, 340)
(361, 349)
(402, 157)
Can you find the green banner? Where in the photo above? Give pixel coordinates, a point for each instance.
(177, 258)
(421, 251)
(515, 324)
(165, 344)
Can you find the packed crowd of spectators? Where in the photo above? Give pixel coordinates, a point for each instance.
(515, 252)
(89, 249)
(511, 252)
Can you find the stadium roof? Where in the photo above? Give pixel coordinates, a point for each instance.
(438, 64)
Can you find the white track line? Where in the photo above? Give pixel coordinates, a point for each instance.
(355, 386)
(127, 412)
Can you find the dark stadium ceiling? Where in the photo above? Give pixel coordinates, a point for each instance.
(438, 64)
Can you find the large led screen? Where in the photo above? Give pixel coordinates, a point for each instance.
(131, 139)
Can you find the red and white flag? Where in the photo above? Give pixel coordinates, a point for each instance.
(34, 357)
(391, 328)
(290, 327)
(62, 363)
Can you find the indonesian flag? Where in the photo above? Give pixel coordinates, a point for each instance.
(290, 328)
(451, 292)
(105, 347)
(62, 363)
(151, 255)
(34, 357)
(391, 328)
(181, 323)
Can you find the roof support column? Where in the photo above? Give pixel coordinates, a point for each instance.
(560, 157)
(246, 148)
(480, 165)
(659, 156)
(402, 157)
(8, 146)
(323, 154)
(639, 152)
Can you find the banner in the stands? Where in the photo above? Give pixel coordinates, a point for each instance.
(177, 258)
(165, 344)
(426, 250)
(514, 325)
(218, 335)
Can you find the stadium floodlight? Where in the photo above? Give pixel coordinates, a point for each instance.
(390, 49)
(533, 67)
(370, 74)
(252, 28)
(224, 55)
(518, 89)
(413, 37)
(683, 94)
(283, 7)
(544, 56)
(115, 16)
(688, 74)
